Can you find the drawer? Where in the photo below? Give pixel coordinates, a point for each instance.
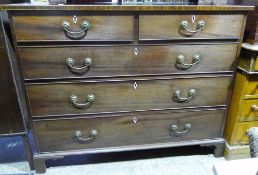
(246, 88)
(169, 27)
(118, 131)
(124, 96)
(63, 28)
(250, 86)
(240, 136)
(248, 110)
(53, 62)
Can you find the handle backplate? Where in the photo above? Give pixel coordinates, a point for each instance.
(89, 100)
(181, 62)
(174, 129)
(86, 64)
(185, 29)
(177, 95)
(78, 136)
(66, 28)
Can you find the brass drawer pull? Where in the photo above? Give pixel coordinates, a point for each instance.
(254, 108)
(79, 139)
(186, 130)
(178, 98)
(87, 62)
(85, 26)
(89, 100)
(181, 61)
(187, 31)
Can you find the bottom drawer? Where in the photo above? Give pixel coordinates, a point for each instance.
(241, 137)
(137, 129)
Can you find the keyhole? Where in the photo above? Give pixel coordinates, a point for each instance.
(136, 51)
(135, 120)
(193, 18)
(74, 19)
(135, 85)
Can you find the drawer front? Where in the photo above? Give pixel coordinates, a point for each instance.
(168, 27)
(248, 110)
(58, 135)
(126, 96)
(51, 62)
(240, 136)
(250, 84)
(100, 28)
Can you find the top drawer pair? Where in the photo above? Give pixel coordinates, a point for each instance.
(122, 27)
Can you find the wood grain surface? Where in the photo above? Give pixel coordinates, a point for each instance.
(166, 27)
(114, 96)
(114, 60)
(57, 135)
(11, 120)
(102, 27)
(28, 7)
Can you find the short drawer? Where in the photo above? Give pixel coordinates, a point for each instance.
(53, 62)
(169, 27)
(81, 27)
(247, 92)
(119, 131)
(125, 96)
(248, 110)
(240, 137)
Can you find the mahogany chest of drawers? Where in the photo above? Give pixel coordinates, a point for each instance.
(120, 78)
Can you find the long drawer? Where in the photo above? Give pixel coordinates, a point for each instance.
(124, 96)
(80, 27)
(106, 61)
(169, 27)
(104, 132)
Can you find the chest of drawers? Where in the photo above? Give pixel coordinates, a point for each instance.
(243, 109)
(242, 113)
(120, 78)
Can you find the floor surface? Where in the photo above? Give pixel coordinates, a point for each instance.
(193, 160)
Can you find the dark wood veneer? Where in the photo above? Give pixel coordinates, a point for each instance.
(167, 26)
(10, 112)
(102, 27)
(57, 135)
(112, 96)
(130, 8)
(115, 60)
